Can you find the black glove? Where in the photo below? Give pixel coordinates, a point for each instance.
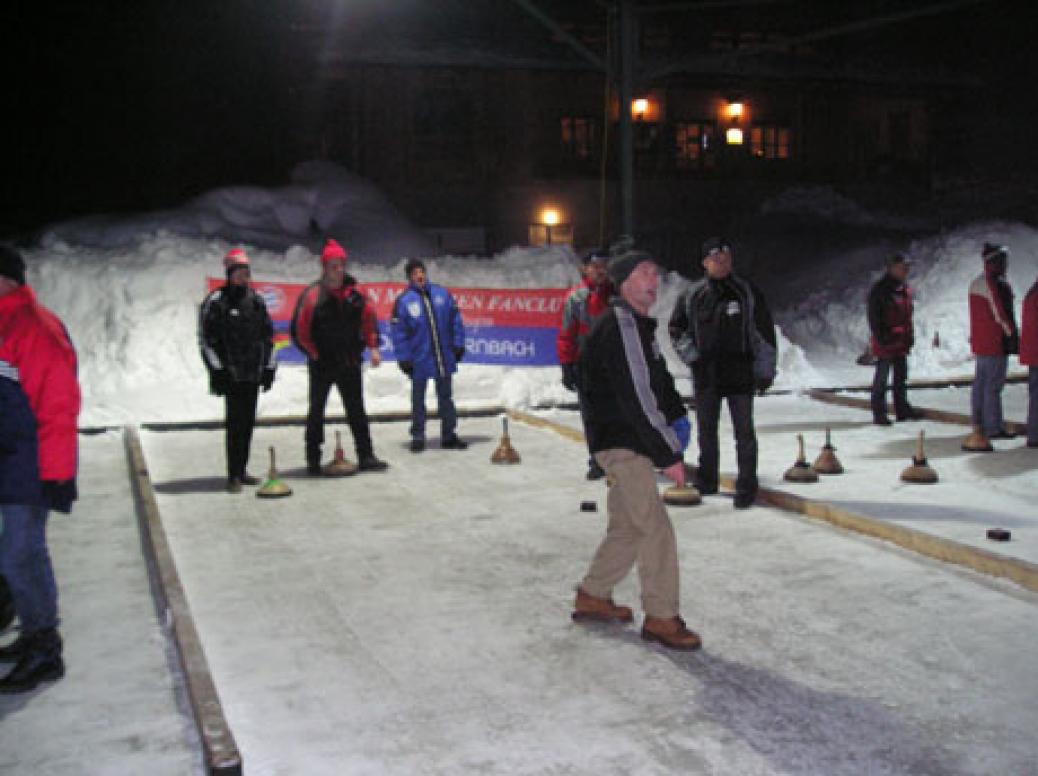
(59, 494)
(762, 384)
(459, 354)
(406, 367)
(219, 381)
(569, 377)
(268, 379)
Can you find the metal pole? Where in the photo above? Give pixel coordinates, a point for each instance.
(626, 50)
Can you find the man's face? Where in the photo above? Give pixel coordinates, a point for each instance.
(240, 276)
(595, 272)
(7, 285)
(417, 276)
(641, 286)
(899, 271)
(333, 273)
(718, 264)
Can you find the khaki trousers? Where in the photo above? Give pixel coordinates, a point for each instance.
(639, 531)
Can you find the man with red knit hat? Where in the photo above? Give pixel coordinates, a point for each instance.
(1029, 358)
(237, 342)
(39, 405)
(333, 324)
(993, 337)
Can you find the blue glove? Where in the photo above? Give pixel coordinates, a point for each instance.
(683, 428)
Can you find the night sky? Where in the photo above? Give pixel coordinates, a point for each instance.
(134, 106)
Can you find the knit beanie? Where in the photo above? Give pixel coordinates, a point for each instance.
(236, 257)
(332, 251)
(620, 267)
(714, 245)
(993, 251)
(12, 265)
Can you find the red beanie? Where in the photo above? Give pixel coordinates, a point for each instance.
(332, 250)
(235, 258)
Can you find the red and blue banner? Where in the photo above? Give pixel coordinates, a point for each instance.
(506, 326)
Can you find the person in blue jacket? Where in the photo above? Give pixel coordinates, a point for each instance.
(429, 341)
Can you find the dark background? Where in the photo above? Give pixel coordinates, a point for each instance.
(120, 106)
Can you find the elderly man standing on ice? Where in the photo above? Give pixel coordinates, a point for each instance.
(636, 423)
(993, 337)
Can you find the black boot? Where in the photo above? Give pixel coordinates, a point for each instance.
(13, 651)
(41, 662)
(369, 463)
(7, 611)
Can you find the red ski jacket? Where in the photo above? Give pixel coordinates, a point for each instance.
(1029, 329)
(991, 315)
(333, 327)
(35, 346)
(890, 318)
(584, 303)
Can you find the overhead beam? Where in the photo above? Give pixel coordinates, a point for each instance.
(557, 29)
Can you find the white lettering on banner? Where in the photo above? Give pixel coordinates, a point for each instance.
(526, 304)
(469, 301)
(501, 347)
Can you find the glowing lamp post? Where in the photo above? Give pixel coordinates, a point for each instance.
(639, 109)
(733, 136)
(735, 111)
(549, 229)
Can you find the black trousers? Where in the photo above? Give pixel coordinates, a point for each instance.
(240, 413)
(348, 381)
(708, 415)
(900, 389)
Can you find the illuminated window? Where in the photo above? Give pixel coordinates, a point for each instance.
(694, 144)
(578, 138)
(770, 141)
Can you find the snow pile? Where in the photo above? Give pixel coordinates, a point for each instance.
(826, 204)
(831, 321)
(322, 200)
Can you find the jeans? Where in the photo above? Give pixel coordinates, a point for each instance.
(25, 564)
(582, 406)
(444, 402)
(708, 414)
(900, 390)
(1032, 405)
(986, 395)
(240, 405)
(348, 381)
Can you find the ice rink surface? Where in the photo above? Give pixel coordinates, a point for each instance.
(417, 622)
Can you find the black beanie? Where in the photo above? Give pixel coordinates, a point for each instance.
(993, 251)
(412, 265)
(620, 267)
(12, 265)
(714, 244)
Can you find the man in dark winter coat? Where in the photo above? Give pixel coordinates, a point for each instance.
(722, 328)
(237, 341)
(636, 422)
(429, 340)
(585, 302)
(333, 324)
(890, 322)
(1029, 358)
(39, 406)
(993, 338)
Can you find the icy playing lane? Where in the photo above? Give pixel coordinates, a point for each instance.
(417, 622)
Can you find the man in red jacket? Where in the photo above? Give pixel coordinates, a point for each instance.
(333, 324)
(993, 337)
(38, 367)
(585, 302)
(890, 322)
(1029, 358)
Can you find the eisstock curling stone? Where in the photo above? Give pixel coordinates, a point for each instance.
(827, 462)
(976, 442)
(801, 471)
(274, 487)
(682, 496)
(588, 506)
(339, 467)
(920, 471)
(999, 535)
(505, 453)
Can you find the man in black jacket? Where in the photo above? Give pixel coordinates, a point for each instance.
(237, 340)
(635, 422)
(890, 324)
(722, 328)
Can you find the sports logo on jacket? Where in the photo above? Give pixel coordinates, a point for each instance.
(415, 309)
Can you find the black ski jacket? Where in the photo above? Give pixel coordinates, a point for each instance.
(630, 396)
(236, 335)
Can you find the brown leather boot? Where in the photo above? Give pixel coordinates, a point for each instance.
(670, 633)
(588, 607)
